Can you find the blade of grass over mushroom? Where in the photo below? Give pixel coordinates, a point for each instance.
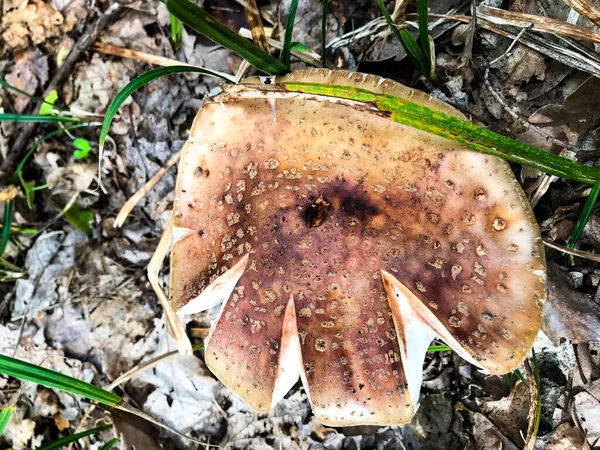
(409, 43)
(140, 81)
(473, 136)
(35, 118)
(59, 443)
(584, 216)
(438, 348)
(205, 24)
(289, 28)
(5, 417)
(45, 377)
(324, 31)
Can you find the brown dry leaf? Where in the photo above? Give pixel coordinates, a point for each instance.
(510, 413)
(29, 71)
(135, 432)
(487, 436)
(584, 409)
(577, 118)
(96, 84)
(565, 437)
(36, 21)
(568, 313)
(521, 65)
(129, 32)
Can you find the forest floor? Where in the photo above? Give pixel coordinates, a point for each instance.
(75, 294)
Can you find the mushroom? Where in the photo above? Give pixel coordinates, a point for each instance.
(341, 243)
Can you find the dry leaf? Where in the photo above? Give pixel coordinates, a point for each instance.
(568, 313)
(37, 22)
(29, 71)
(510, 413)
(577, 118)
(487, 436)
(565, 437)
(585, 407)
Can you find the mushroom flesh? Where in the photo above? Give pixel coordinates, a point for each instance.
(341, 243)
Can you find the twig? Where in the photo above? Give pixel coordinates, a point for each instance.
(135, 198)
(571, 251)
(539, 23)
(83, 44)
(109, 49)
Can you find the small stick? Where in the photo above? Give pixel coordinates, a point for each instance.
(135, 198)
(571, 251)
(149, 58)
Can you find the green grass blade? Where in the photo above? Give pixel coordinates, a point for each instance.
(205, 24)
(289, 28)
(7, 85)
(324, 31)
(408, 113)
(59, 443)
(176, 30)
(584, 216)
(414, 51)
(6, 223)
(411, 47)
(140, 81)
(36, 374)
(422, 15)
(438, 348)
(110, 444)
(520, 376)
(36, 118)
(36, 144)
(5, 417)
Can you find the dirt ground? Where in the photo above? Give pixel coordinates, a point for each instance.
(74, 292)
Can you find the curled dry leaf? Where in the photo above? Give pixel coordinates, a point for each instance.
(342, 244)
(510, 413)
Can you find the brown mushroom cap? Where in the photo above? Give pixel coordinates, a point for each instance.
(322, 198)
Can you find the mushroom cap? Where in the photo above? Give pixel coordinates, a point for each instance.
(341, 243)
